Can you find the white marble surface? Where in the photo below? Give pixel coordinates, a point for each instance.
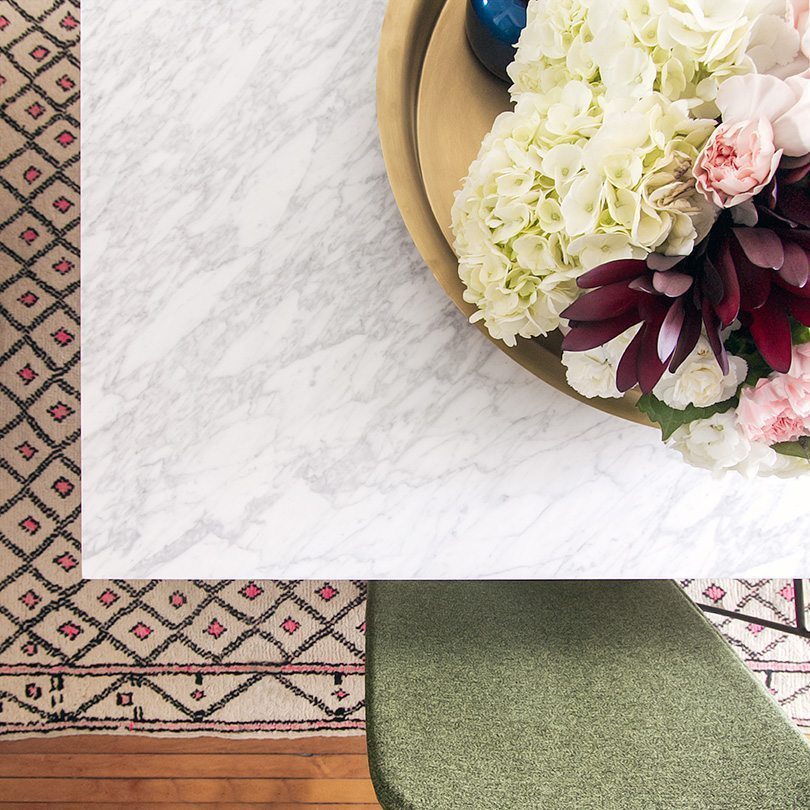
(273, 383)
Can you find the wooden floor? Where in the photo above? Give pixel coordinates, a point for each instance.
(97, 771)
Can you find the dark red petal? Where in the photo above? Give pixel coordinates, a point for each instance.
(643, 284)
(795, 205)
(584, 336)
(796, 174)
(611, 272)
(602, 304)
(796, 268)
(627, 370)
(671, 330)
(762, 246)
(657, 261)
(800, 310)
(690, 332)
(712, 283)
(650, 367)
(728, 309)
(755, 284)
(770, 329)
(712, 324)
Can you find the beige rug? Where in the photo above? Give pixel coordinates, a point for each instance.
(154, 657)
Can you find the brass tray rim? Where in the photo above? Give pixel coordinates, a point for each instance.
(398, 82)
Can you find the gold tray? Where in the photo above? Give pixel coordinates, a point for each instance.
(435, 103)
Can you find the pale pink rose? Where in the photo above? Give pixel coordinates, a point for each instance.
(783, 102)
(800, 364)
(737, 162)
(777, 408)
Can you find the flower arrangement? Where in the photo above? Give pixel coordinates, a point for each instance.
(649, 196)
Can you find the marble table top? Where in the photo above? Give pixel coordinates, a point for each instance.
(273, 383)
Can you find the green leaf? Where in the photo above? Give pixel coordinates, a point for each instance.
(800, 448)
(741, 344)
(800, 333)
(670, 419)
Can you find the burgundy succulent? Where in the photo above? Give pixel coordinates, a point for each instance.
(753, 266)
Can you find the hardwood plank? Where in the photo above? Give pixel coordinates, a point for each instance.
(189, 766)
(147, 744)
(185, 806)
(192, 791)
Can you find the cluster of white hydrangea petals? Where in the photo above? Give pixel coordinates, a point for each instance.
(564, 183)
(681, 48)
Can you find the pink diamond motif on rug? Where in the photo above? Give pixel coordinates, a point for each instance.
(251, 591)
(65, 138)
(290, 625)
(27, 374)
(30, 525)
(26, 450)
(62, 336)
(197, 694)
(63, 487)
(60, 411)
(327, 592)
(62, 204)
(714, 592)
(28, 299)
(66, 561)
(754, 629)
(30, 599)
(141, 631)
(108, 597)
(70, 630)
(63, 266)
(215, 629)
(177, 599)
(788, 592)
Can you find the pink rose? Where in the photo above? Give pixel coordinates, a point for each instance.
(737, 162)
(777, 408)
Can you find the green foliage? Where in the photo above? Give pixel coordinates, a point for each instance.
(670, 419)
(800, 332)
(800, 448)
(741, 344)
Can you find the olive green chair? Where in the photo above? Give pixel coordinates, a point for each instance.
(568, 696)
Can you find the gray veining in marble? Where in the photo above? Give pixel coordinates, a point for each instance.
(273, 383)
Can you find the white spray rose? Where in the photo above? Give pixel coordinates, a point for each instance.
(700, 381)
(593, 373)
(715, 444)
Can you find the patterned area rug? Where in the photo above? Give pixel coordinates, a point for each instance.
(164, 657)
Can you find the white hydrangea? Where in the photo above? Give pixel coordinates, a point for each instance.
(718, 444)
(561, 186)
(680, 48)
(700, 381)
(593, 373)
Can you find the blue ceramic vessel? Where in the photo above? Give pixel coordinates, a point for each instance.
(493, 28)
